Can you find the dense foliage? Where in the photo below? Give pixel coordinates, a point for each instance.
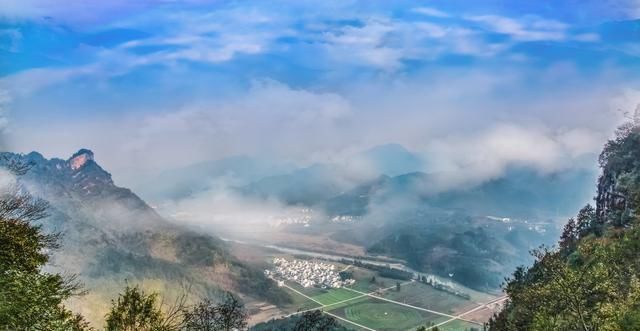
(33, 299)
(308, 321)
(592, 280)
(30, 298)
(135, 310)
(110, 234)
(474, 255)
(207, 316)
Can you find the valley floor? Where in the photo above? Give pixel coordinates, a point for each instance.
(374, 302)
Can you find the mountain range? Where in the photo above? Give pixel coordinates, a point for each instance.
(520, 192)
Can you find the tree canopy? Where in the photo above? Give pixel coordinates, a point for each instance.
(30, 298)
(592, 280)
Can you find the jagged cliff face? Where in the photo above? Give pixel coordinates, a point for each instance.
(618, 195)
(79, 159)
(611, 203)
(79, 186)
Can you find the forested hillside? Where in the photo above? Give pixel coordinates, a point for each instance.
(592, 280)
(110, 236)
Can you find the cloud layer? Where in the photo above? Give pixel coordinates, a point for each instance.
(153, 85)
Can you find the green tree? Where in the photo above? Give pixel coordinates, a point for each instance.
(591, 282)
(30, 299)
(207, 316)
(135, 310)
(316, 321)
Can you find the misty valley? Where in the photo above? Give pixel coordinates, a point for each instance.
(286, 165)
(442, 245)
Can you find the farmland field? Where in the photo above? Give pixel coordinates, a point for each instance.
(381, 315)
(425, 296)
(458, 325)
(299, 303)
(334, 295)
(355, 303)
(369, 281)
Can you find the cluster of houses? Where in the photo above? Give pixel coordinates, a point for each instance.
(342, 219)
(539, 227)
(299, 217)
(308, 273)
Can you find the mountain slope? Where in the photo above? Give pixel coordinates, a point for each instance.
(315, 184)
(591, 281)
(475, 235)
(306, 186)
(110, 234)
(520, 193)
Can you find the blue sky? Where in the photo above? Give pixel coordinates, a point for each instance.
(478, 84)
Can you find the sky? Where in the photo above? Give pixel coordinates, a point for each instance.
(475, 86)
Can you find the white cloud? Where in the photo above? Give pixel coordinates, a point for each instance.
(529, 28)
(448, 114)
(386, 43)
(430, 12)
(477, 157)
(211, 37)
(269, 118)
(365, 44)
(325, 119)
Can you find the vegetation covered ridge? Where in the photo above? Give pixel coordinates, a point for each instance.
(591, 281)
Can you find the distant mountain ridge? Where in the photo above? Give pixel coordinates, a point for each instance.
(283, 180)
(79, 177)
(521, 192)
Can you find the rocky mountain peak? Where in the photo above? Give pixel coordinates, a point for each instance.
(80, 158)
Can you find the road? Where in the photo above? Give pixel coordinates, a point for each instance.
(323, 306)
(400, 266)
(500, 299)
(372, 294)
(412, 306)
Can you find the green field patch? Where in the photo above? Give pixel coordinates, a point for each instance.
(458, 325)
(425, 296)
(299, 303)
(381, 315)
(369, 281)
(352, 301)
(334, 295)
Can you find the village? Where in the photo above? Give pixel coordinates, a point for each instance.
(307, 273)
(293, 217)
